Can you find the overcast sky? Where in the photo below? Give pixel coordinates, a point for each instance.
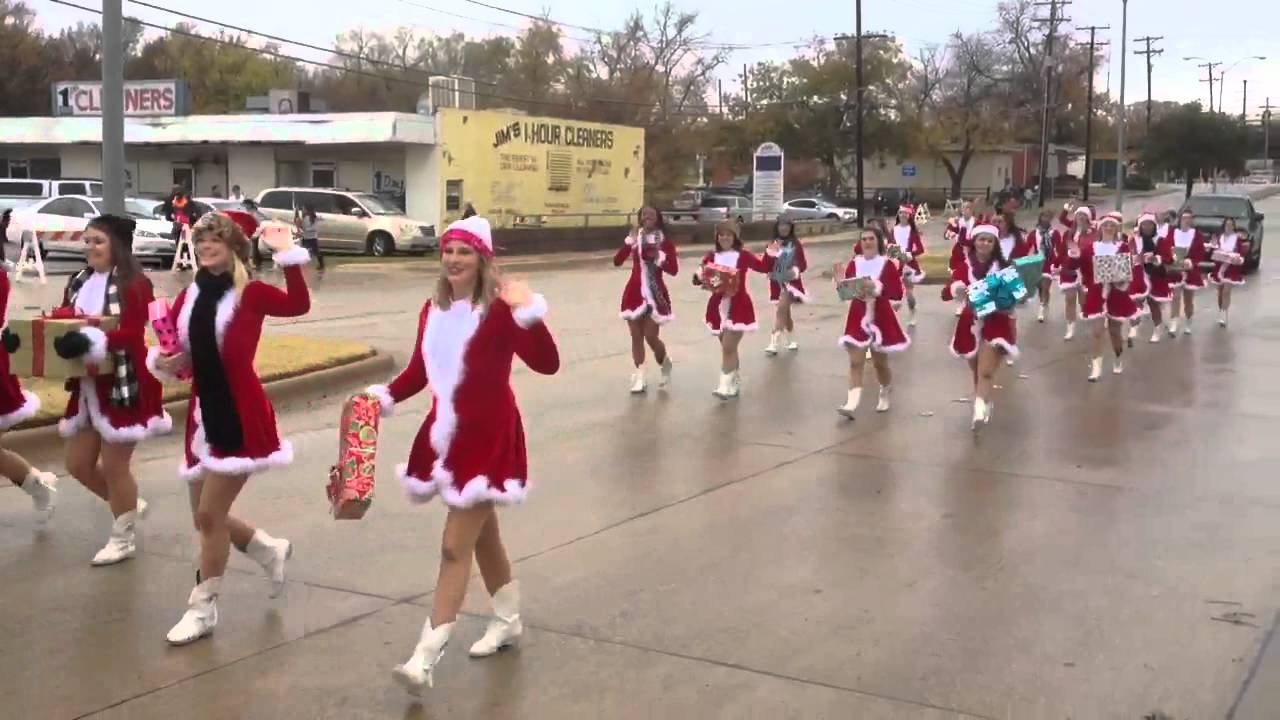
(1219, 31)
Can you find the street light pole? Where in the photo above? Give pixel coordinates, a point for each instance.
(1120, 153)
(857, 79)
(112, 107)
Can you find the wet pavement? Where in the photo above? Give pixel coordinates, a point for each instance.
(764, 558)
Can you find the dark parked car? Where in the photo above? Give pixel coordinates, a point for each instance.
(1212, 210)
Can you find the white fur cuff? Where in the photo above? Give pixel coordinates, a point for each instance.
(97, 344)
(383, 394)
(531, 314)
(153, 354)
(296, 255)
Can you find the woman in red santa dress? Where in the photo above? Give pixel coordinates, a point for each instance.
(1109, 306)
(871, 324)
(729, 316)
(109, 414)
(231, 425)
(16, 406)
(1184, 283)
(789, 292)
(960, 232)
(1228, 274)
(982, 341)
(1151, 273)
(470, 450)
(646, 303)
(906, 235)
(1079, 229)
(1044, 240)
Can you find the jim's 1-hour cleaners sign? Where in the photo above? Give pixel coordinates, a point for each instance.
(142, 98)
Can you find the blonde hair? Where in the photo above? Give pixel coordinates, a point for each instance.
(219, 227)
(488, 286)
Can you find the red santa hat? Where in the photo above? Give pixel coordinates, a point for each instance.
(474, 232)
(984, 230)
(907, 208)
(1112, 217)
(1147, 217)
(1084, 210)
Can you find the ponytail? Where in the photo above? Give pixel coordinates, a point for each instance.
(239, 274)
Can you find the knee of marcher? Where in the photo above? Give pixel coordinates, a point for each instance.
(451, 551)
(206, 522)
(80, 469)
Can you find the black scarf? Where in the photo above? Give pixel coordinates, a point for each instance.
(218, 416)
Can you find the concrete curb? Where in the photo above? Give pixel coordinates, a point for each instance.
(310, 386)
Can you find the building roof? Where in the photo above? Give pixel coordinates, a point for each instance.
(298, 129)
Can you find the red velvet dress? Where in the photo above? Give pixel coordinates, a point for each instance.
(873, 323)
(908, 238)
(471, 447)
(637, 297)
(1197, 253)
(1226, 273)
(796, 287)
(1099, 300)
(1068, 273)
(16, 405)
(238, 325)
(735, 313)
(997, 329)
(90, 402)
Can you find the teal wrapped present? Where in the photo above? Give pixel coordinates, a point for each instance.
(782, 265)
(1030, 269)
(1000, 290)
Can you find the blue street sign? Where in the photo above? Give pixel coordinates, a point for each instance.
(909, 170)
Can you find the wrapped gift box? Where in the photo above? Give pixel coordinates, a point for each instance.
(1030, 269)
(720, 279)
(897, 253)
(1114, 269)
(782, 265)
(1179, 257)
(350, 489)
(1000, 290)
(35, 356)
(858, 288)
(1229, 258)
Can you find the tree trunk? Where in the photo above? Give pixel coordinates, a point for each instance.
(956, 172)
(1191, 182)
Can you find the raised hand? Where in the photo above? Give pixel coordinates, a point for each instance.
(277, 236)
(515, 293)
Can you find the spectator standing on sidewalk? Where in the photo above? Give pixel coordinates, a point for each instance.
(306, 222)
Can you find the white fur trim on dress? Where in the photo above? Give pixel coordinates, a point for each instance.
(296, 255)
(1225, 281)
(645, 309)
(226, 311)
(529, 315)
(27, 410)
(1008, 347)
(386, 403)
(733, 327)
(231, 465)
(97, 344)
(153, 356)
(90, 413)
(477, 490)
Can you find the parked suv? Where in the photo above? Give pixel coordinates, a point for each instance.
(351, 221)
(714, 208)
(16, 192)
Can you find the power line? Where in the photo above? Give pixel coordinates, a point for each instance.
(1088, 123)
(1149, 53)
(364, 73)
(1053, 20)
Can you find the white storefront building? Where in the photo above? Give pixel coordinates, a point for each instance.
(381, 152)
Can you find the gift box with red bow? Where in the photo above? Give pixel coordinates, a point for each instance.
(36, 357)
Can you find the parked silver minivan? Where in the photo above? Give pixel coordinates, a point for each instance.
(353, 222)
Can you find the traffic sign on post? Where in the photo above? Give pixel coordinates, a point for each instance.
(767, 182)
(908, 170)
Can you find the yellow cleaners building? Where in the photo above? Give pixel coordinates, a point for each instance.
(523, 170)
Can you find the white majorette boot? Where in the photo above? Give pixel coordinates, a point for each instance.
(1155, 334)
(792, 345)
(121, 545)
(416, 672)
(505, 627)
(1186, 326)
(1222, 318)
(201, 615)
(735, 383)
(883, 404)
(723, 390)
(1071, 332)
(1172, 327)
(271, 553)
(638, 384)
(851, 404)
(1117, 368)
(981, 414)
(1040, 315)
(1133, 333)
(43, 489)
(664, 378)
(1095, 369)
(772, 348)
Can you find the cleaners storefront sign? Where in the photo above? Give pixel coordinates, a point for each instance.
(144, 98)
(559, 134)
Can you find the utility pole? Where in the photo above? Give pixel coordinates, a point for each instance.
(1148, 52)
(1209, 66)
(1121, 155)
(112, 107)
(1244, 106)
(1266, 132)
(746, 91)
(858, 37)
(1088, 122)
(1053, 21)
